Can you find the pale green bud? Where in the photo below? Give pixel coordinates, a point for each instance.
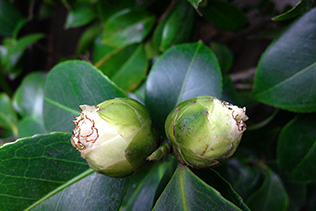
(205, 131)
(115, 137)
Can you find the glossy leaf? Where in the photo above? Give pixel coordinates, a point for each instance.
(70, 84)
(238, 174)
(93, 192)
(8, 117)
(80, 15)
(183, 72)
(224, 15)
(176, 27)
(271, 195)
(288, 66)
(127, 27)
(296, 150)
(33, 169)
(213, 179)
(29, 126)
(87, 38)
(10, 19)
(21, 45)
(28, 99)
(142, 187)
(186, 191)
(224, 55)
(300, 8)
(106, 9)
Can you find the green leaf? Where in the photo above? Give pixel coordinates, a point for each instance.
(87, 38)
(107, 8)
(213, 179)
(133, 71)
(29, 126)
(288, 67)
(183, 72)
(33, 169)
(224, 15)
(8, 117)
(186, 191)
(70, 84)
(142, 187)
(80, 15)
(21, 45)
(127, 27)
(238, 174)
(93, 192)
(296, 150)
(195, 3)
(28, 99)
(300, 8)
(224, 55)
(11, 19)
(176, 27)
(271, 195)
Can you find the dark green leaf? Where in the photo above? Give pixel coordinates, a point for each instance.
(297, 195)
(28, 99)
(213, 179)
(300, 8)
(142, 187)
(8, 117)
(229, 92)
(29, 126)
(238, 174)
(271, 195)
(87, 38)
(288, 67)
(183, 72)
(107, 8)
(80, 15)
(224, 15)
(21, 45)
(296, 150)
(186, 191)
(224, 55)
(70, 84)
(195, 3)
(10, 19)
(33, 169)
(127, 27)
(176, 27)
(93, 192)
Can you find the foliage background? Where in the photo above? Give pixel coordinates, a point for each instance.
(56, 55)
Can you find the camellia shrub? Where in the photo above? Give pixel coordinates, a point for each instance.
(157, 105)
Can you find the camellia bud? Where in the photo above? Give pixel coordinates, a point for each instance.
(205, 131)
(115, 137)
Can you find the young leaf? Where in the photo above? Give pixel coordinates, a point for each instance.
(70, 84)
(183, 72)
(186, 191)
(28, 99)
(92, 192)
(127, 27)
(288, 66)
(296, 150)
(32, 169)
(224, 15)
(271, 195)
(8, 117)
(300, 8)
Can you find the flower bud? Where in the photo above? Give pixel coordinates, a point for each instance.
(115, 137)
(205, 131)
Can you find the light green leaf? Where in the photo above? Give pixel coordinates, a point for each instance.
(29, 126)
(8, 117)
(285, 77)
(80, 15)
(70, 84)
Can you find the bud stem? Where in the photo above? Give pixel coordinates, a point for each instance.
(162, 151)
